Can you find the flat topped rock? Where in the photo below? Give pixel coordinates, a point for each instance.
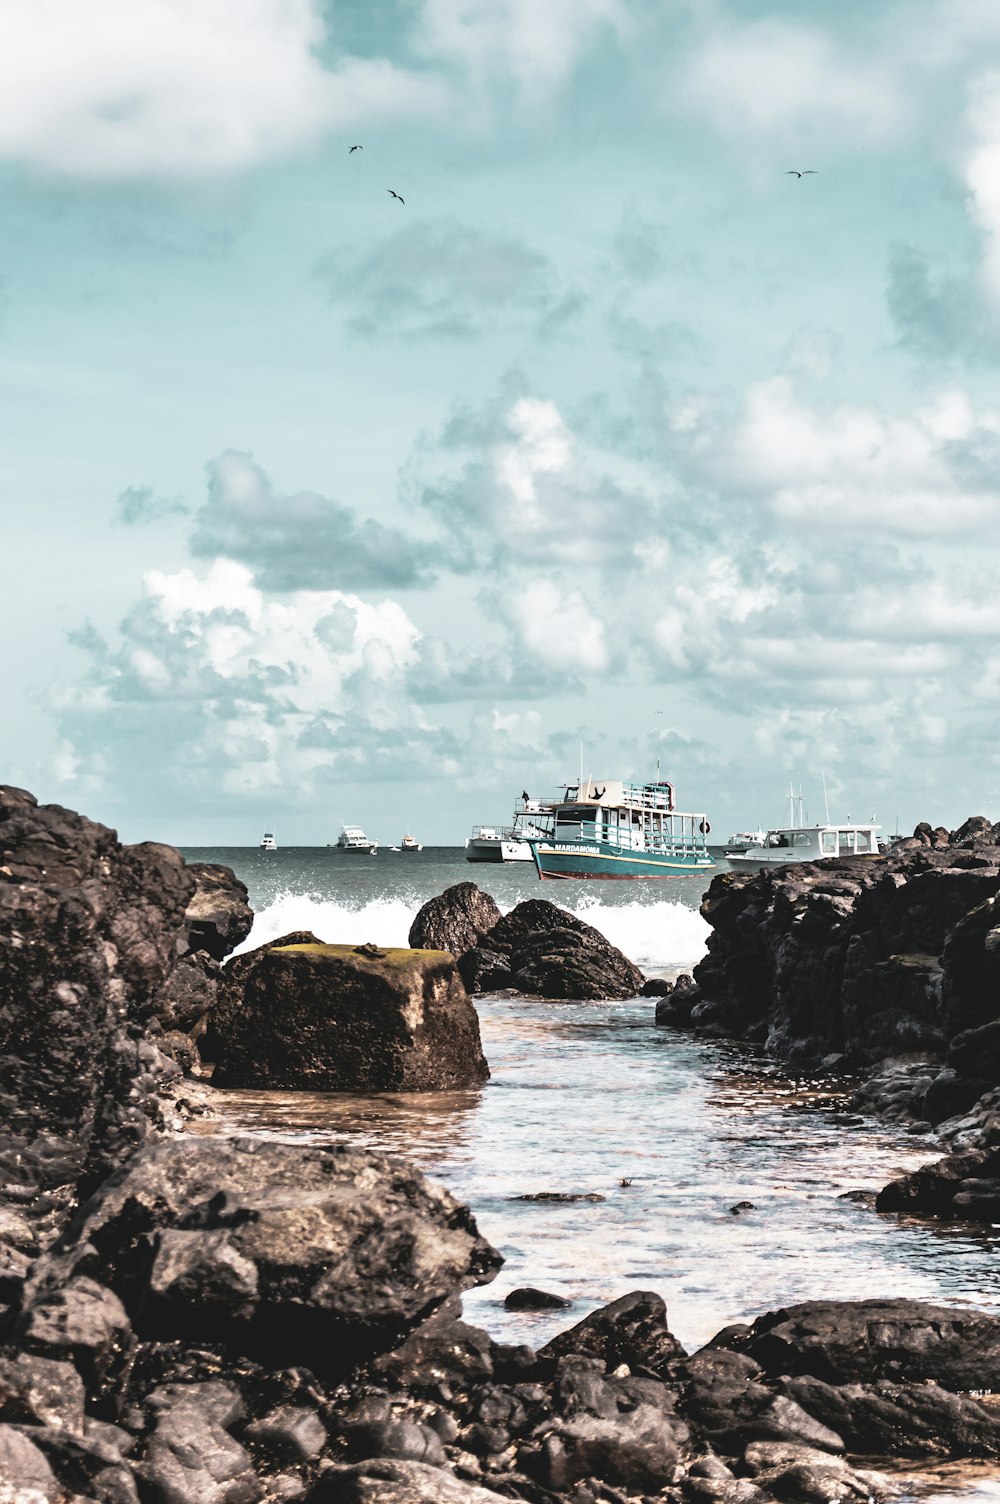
(315, 1017)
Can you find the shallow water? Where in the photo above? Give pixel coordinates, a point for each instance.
(584, 1096)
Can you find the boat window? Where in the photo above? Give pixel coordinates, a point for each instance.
(828, 842)
(863, 840)
(846, 841)
(802, 838)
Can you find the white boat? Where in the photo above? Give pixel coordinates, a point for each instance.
(799, 841)
(353, 839)
(410, 843)
(268, 843)
(741, 839)
(509, 843)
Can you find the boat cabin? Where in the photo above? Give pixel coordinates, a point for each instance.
(635, 816)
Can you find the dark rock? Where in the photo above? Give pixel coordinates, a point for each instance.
(290, 1433)
(303, 1254)
(328, 1018)
(554, 954)
(455, 921)
(803, 1475)
(638, 1449)
(729, 1404)
(373, 1428)
(189, 1458)
(931, 1190)
(219, 916)
(229, 997)
(485, 970)
(41, 1392)
(527, 1298)
(86, 1466)
(561, 1196)
(74, 1318)
(442, 1352)
(393, 1482)
(909, 1420)
(843, 1342)
(631, 1330)
(191, 993)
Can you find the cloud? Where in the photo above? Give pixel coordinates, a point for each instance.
(445, 279)
(139, 505)
(129, 89)
(302, 541)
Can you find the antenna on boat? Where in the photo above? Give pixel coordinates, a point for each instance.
(826, 801)
(579, 792)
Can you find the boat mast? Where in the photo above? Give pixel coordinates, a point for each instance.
(826, 801)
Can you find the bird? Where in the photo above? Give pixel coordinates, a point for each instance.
(806, 172)
(396, 195)
(355, 148)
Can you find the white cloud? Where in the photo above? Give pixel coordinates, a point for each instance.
(168, 88)
(559, 627)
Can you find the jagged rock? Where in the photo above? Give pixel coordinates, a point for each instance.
(291, 1433)
(219, 916)
(89, 933)
(298, 1253)
(393, 1482)
(631, 1330)
(39, 1391)
(229, 997)
(848, 1341)
(908, 1420)
(189, 1457)
(336, 1018)
(806, 1476)
(455, 921)
(442, 1351)
(25, 1475)
(191, 993)
(729, 1404)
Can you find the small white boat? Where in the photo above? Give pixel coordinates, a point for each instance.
(353, 839)
(410, 843)
(268, 843)
(739, 841)
(799, 841)
(509, 843)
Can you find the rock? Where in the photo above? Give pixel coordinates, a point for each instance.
(455, 921)
(41, 1392)
(89, 933)
(334, 1018)
(191, 993)
(527, 1298)
(803, 1475)
(85, 1466)
(638, 1449)
(25, 1476)
(393, 1482)
(74, 1318)
(442, 1352)
(842, 1342)
(726, 1400)
(301, 1254)
(229, 995)
(219, 916)
(290, 1433)
(372, 1428)
(908, 1420)
(631, 1330)
(189, 1457)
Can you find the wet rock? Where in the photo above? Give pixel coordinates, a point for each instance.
(75, 1318)
(638, 1449)
(191, 993)
(560, 1196)
(803, 1475)
(527, 1298)
(554, 954)
(39, 1391)
(455, 921)
(189, 1458)
(934, 1190)
(442, 1353)
(727, 1402)
(631, 1330)
(373, 1428)
(229, 996)
(334, 1018)
(290, 1433)
(218, 916)
(867, 1340)
(300, 1254)
(393, 1482)
(909, 1420)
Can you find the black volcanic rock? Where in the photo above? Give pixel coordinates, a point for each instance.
(219, 916)
(457, 920)
(349, 1018)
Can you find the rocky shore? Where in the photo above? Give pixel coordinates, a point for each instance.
(225, 1321)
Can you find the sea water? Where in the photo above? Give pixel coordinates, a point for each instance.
(666, 1133)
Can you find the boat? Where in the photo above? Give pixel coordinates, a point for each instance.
(798, 841)
(268, 843)
(410, 843)
(509, 843)
(742, 839)
(353, 839)
(608, 828)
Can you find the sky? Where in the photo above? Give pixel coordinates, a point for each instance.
(320, 506)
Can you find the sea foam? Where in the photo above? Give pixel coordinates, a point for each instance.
(657, 936)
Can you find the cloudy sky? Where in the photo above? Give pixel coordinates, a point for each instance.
(319, 506)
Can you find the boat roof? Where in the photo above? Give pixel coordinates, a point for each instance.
(784, 830)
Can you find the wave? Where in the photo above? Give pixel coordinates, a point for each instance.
(663, 935)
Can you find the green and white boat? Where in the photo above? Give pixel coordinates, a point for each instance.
(610, 829)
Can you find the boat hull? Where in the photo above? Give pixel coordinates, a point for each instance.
(488, 850)
(598, 859)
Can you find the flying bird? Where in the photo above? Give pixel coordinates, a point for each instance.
(355, 148)
(806, 172)
(396, 195)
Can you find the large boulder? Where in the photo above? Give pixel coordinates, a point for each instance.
(293, 1253)
(219, 916)
(457, 920)
(537, 948)
(351, 1018)
(89, 934)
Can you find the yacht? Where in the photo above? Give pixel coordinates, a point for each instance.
(739, 842)
(410, 843)
(268, 843)
(353, 839)
(607, 828)
(509, 843)
(798, 841)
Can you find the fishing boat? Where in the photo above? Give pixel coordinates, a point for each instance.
(353, 839)
(798, 841)
(607, 828)
(510, 843)
(410, 843)
(267, 842)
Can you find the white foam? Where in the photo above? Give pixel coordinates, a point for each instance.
(662, 934)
